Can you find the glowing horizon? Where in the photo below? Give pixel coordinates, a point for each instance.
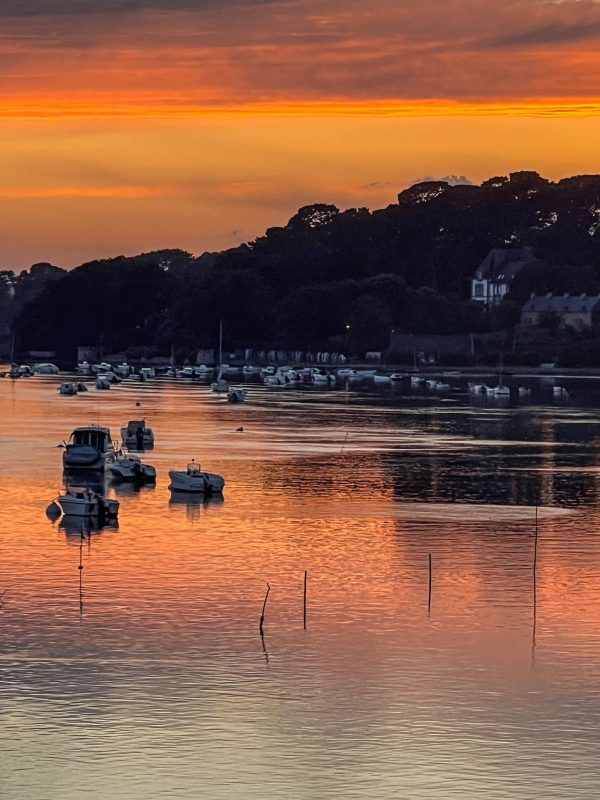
(200, 123)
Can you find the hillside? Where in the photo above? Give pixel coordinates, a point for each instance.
(407, 266)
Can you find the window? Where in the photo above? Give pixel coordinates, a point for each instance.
(479, 290)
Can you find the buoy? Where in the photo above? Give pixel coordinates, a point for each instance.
(138, 404)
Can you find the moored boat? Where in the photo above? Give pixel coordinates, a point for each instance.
(127, 467)
(68, 389)
(85, 503)
(89, 447)
(137, 434)
(236, 395)
(194, 479)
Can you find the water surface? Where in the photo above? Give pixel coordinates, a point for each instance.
(150, 679)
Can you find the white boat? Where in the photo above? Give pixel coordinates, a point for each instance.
(560, 392)
(396, 376)
(381, 379)
(25, 371)
(129, 468)
(248, 369)
(193, 479)
(186, 372)
(478, 388)
(268, 370)
(437, 386)
(68, 389)
(220, 385)
(45, 369)
(321, 378)
(85, 503)
(137, 434)
(84, 367)
(236, 395)
(203, 371)
(148, 372)
(498, 391)
(102, 382)
(416, 380)
(123, 369)
(524, 391)
(89, 447)
(103, 366)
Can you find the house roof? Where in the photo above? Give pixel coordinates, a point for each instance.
(503, 264)
(562, 304)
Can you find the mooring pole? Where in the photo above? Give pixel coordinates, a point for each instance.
(305, 581)
(429, 596)
(262, 616)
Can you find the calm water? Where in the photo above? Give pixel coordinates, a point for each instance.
(159, 686)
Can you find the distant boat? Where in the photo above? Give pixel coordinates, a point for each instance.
(236, 395)
(193, 479)
(89, 447)
(137, 433)
(45, 369)
(68, 389)
(102, 382)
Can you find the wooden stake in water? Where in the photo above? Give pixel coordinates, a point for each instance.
(305, 580)
(535, 552)
(429, 596)
(262, 616)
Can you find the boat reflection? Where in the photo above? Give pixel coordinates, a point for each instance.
(94, 481)
(195, 503)
(76, 527)
(130, 488)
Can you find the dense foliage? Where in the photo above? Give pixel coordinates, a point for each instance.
(334, 279)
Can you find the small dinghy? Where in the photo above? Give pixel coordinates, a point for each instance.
(102, 382)
(236, 395)
(129, 468)
(220, 385)
(193, 479)
(85, 503)
(68, 389)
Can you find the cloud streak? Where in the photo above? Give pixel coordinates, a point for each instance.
(74, 57)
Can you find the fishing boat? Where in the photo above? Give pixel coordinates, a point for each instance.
(127, 467)
(89, 447)
(85, 503)
(137, 434)
(194, 479)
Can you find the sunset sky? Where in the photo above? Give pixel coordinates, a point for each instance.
(199, 123)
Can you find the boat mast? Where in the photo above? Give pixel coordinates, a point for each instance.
(220, 348)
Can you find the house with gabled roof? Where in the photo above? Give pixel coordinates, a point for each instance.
(578, 311)
(494, 275)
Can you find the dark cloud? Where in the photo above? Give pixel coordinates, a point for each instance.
(52, 8)
(453, 180)
(545, 35)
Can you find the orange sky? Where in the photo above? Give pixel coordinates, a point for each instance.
(198, 123)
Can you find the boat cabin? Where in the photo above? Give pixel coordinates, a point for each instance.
(98, 438)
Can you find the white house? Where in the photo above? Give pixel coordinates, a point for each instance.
(495, 273)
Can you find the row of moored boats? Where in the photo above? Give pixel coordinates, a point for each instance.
(90, 448)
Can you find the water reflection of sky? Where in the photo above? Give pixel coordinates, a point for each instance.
(161, 687)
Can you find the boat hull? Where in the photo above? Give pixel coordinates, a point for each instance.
(196, 483)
